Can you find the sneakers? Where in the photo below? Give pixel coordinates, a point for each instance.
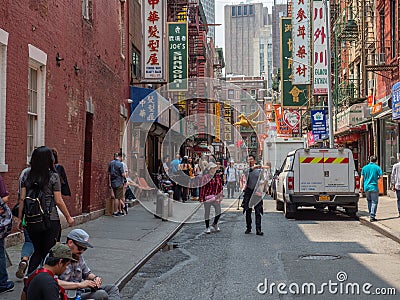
(216, 228)
(247, 231)
(116, 214)
(372, 219)
(126, 208)
(7, 287)
(21, 269)
(259, 232)
(208, 230)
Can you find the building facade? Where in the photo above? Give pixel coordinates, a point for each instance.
(63, 85)
(243, 24)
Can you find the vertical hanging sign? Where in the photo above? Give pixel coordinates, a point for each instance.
(320, 49)
(301, 42)
(228, 122)
(291, 95)
(153, 15)
(177, 56)
(217, 122)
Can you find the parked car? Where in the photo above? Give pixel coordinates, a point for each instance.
(319, 178)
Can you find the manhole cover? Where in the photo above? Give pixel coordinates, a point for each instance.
(320, 257)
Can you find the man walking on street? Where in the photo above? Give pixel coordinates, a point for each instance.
(370, 175)
(396, 183)
(250, 198)
(231, 177)
(116, 180)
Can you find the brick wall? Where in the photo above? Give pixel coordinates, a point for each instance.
(58, 27)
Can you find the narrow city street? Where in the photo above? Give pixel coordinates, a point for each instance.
(325, 255)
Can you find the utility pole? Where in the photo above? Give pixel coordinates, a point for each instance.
(328, 58)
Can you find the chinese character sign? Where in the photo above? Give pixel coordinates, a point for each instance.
(177, 56)
(396, 101)
(144, 107)
(301, 68)
(291, 96)
(228, 122)
(153, 40)
(320, 48)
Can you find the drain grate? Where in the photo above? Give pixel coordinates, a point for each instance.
(319, 257)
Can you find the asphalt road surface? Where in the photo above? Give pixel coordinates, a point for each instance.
(320, 255)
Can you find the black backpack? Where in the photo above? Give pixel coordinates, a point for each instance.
(36, 214)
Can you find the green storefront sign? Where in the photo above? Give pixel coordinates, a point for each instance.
(177, 56)
(291, 95)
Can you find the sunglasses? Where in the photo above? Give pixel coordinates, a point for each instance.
(80, 248)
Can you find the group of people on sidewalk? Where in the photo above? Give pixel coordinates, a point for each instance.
(48, 179)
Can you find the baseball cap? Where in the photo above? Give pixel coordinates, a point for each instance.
(61, 251)
(211, 165)
(80, 236)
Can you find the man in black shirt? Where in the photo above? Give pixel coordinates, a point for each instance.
(251, 198)
(42, 285)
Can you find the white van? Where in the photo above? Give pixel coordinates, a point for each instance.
(319, 178)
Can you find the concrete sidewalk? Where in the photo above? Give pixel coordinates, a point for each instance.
(121, 244)
(387, 215)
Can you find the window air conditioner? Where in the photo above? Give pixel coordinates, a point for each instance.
(370, 84)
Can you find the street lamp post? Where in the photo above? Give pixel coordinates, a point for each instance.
(328, 58)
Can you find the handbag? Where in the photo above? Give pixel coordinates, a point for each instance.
(210, 198)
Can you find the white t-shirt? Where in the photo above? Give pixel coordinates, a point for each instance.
(230, 173)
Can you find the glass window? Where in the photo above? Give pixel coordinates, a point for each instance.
(245, 10)
(135, 65)
(32, 110)
(251, 10)
(243, 109)
(389, 151)
(233, 11)
(231, 94)
(239, 10)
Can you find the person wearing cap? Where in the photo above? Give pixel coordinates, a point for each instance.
(78, 275)
(231, 178)
(41, 285)
(211, 195)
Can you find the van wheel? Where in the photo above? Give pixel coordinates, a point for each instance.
(351, 211)
(279, 205)
(289, 209)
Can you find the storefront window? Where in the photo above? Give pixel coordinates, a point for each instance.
(389, 145)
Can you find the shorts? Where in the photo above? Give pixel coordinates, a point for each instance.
(118, 192)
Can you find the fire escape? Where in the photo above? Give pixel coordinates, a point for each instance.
(348, 56)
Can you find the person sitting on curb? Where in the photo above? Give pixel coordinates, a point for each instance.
(78, 276)
(41, 284)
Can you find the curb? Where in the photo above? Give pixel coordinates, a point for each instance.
(128, 276)
(386, 231)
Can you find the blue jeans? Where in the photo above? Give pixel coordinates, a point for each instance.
(372, 199)
(27, 248)
(3, 263)
(398, 200)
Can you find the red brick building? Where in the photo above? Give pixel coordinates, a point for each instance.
(64, 81)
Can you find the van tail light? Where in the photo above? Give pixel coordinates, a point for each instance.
(357, 181)
(290, 182)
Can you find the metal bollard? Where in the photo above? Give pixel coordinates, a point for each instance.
(165, 207)
(170, 203)
(159, 205)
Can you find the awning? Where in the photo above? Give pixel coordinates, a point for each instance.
(383, 114)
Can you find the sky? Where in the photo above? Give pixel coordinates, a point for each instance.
(219, 15)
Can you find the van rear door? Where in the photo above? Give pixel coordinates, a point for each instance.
(337, 171)
(311, 171)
